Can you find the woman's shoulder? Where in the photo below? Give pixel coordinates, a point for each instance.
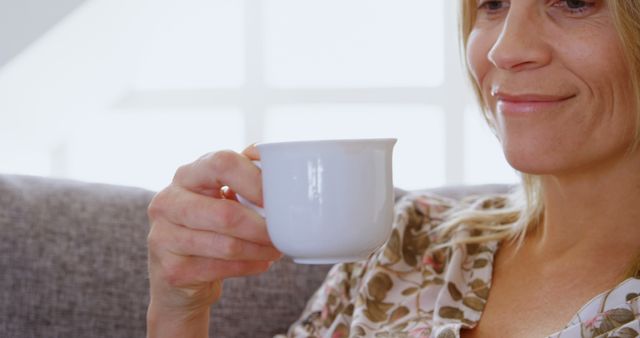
(426, 221)
(428, 210)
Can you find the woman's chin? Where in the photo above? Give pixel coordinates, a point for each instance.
(531, 166)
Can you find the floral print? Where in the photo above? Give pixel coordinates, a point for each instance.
(411, 288)
(611, 314)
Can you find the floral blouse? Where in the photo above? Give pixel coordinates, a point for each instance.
(409, 289)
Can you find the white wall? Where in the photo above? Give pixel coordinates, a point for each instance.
(23, 21)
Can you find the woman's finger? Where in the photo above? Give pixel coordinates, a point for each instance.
(251, 152)
(183, 241)
(185, 271)
(200, 212)
(224, 168)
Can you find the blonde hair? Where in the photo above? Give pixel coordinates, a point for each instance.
(522, 210)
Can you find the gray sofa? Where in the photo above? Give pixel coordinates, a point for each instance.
(73, 264)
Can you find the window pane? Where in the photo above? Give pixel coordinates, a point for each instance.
(25, 157)
(419, 160)
(484, 159)
(192, 44)
(354, 43)
(145, 148)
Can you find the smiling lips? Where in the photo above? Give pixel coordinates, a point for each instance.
(528, 103)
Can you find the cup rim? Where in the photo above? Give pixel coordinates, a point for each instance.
(325, 141)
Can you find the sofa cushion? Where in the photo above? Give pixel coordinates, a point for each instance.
(72, 259)
(73, 263)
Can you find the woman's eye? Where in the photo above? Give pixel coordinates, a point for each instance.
(492, 9)
(492, 6)
(575, 6)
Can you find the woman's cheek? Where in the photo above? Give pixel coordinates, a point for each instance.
(478, 47)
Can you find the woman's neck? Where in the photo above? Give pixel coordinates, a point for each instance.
(592, 213)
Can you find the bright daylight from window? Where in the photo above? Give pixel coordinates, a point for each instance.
(124, 92)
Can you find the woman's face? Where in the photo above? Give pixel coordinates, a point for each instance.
(555, 79)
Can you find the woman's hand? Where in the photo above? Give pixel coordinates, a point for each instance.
(201, 235)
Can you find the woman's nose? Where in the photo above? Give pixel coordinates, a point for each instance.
(521, 43)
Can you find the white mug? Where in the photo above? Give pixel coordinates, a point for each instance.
(328, 201)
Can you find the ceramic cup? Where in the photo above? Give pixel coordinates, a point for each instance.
(328, 201)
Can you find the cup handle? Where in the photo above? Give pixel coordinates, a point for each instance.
(252, 206)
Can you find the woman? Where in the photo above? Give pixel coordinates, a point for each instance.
(559, 81)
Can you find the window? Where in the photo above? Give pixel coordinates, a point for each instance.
(126, 93)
